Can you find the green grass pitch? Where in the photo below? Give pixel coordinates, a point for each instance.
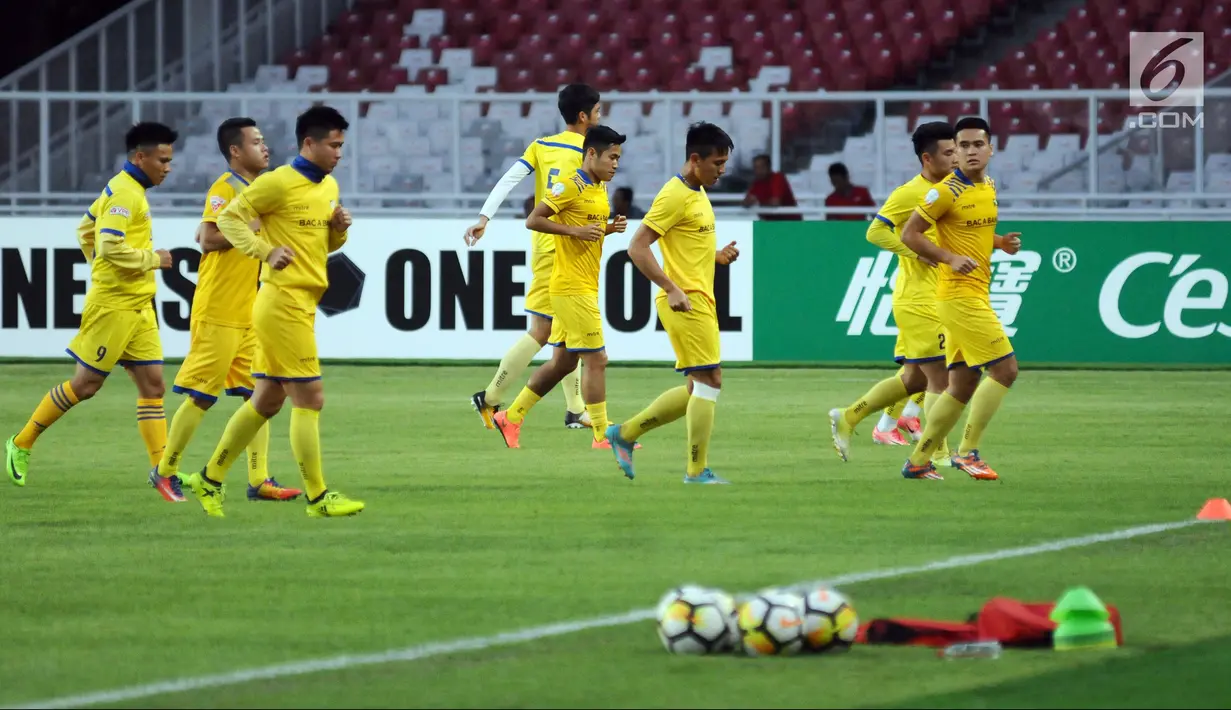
(106, 586)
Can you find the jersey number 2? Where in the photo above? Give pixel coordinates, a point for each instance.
(551, 177)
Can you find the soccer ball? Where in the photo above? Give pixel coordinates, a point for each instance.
(696, 620)
(771, 624)
(830, 622)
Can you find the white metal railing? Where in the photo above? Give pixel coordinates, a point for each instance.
(48, 197)
(193, 46)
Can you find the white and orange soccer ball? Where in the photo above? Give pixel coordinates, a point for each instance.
(697, 620)
(771, 623)
(829, 621)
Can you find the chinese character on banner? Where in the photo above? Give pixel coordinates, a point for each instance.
(1010, 279)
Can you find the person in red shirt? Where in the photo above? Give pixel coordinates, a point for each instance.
(847, 195)
(770, 189)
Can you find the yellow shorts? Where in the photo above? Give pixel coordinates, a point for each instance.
(285, 325)
(920, 335)
(973, 334)
(538, 298)
(111, 336)
(218, 356)
(577, 325)
(693, 334)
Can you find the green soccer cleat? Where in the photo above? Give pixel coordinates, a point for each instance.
(16, 461)
(334, 505)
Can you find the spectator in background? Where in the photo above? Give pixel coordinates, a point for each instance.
(622, 204)
(770, 189)
(528, 206)
(847, 195)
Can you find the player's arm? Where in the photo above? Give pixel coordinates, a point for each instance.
(208, 236)
(262, 197)
(339, 226)
(110, 230)
(512, 178)
(664, 214)
(563, 194)
(1010, 243)
(881, 233)
(85, 233)
(935, 204)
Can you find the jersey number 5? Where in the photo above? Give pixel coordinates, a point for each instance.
(551, 177)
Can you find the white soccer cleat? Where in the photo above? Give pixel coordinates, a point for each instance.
(841, 442)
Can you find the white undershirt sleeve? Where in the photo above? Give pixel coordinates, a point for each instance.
(515, 174)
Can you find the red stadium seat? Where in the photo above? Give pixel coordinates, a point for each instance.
(687, 80)
(633, 28)
(509, 31)
(590, 27)
(467, 25)
(533, 9)
(727, 80)
(483, 49)
(706, 23)
(612, 44)
(389, 79)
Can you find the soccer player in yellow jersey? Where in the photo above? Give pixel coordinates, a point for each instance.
(681, 220)
(118, 324)
(964, 211)
(920, 347)
(222, 342)
(550, 159)
(301, 221)
(579, 205)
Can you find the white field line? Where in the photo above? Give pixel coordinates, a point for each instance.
(431, 650)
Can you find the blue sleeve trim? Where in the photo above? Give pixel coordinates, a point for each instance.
(91, 216)
(528, 165)
(137, 363)
(560, 145)
(886, 221)
(107, 191)
(108, 230)
(238, 392)
(85, 364)
(195, 394)
(536, 313)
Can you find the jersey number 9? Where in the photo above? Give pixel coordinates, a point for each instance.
(102, 353)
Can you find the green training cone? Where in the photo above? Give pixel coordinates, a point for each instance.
(1082, 622)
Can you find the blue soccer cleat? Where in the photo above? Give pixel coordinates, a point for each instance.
(706, 477)
(622, 449)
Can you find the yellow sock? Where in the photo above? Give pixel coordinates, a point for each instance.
(306, 445)
(55, 404)
(928, 401)
(882, 394)
(152, 423)
(700, 419)
(983, 406)
(669, 406)
(515, 362)
(183, 425)
(571, 384)
(919, 399)
(894, 411)
(522, 405)
(944, 414)
(598, 420)
(258, 456)
(241, 428)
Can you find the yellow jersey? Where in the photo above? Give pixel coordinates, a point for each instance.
(116, 236)
(683, 218)
(294, 205)
(551, 159)
(226, 280)
(578, 201)
(916, 282)
(964, 214)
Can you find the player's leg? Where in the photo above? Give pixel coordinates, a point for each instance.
(199, 378)
(910, 419)
(576, 415)
(704, 387)
(99, 343)
(984, 402)
(547, 376)
(517, 359)
(594, 392)
(670, 405)
(938, 380)
(240, 383)
(307, 401)
(906, 382)
(887, 428)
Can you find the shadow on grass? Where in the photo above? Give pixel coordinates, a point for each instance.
(1189, 676)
